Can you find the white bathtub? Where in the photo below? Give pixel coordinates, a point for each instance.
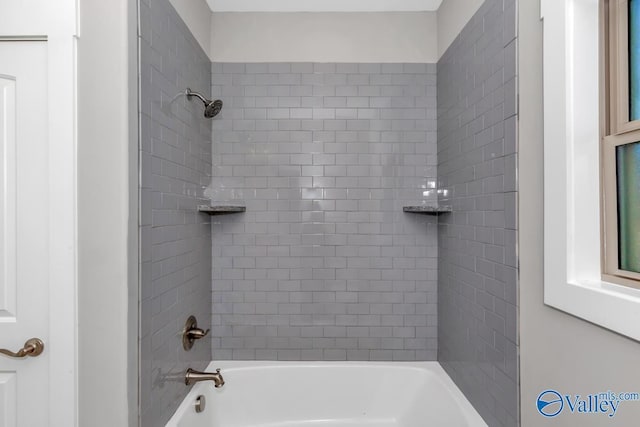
(328, 394)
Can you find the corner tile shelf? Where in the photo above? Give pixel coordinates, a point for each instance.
(221, 209)
(428, 210)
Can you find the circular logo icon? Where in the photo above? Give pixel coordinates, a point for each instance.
(550, 403)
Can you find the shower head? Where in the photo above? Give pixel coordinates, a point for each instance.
(211, 108)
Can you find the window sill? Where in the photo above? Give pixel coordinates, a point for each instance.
(606, 304)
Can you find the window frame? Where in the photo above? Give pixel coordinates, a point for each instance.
(616, 129)
(572, 178)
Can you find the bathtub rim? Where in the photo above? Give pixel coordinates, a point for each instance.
(433, 368)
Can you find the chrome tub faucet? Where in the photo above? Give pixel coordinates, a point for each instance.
(192, 377)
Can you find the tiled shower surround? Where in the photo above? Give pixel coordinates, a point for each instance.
(477, 158)
(324, 265)
(175, 252)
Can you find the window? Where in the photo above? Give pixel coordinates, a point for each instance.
(621, 142)
(580, 139)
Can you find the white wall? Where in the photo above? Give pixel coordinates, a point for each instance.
(197, 15)
(557, 351)
(324, 37)
(107, 214)
(453, 15)
(323, 5)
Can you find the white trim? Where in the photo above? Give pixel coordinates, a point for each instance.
(324, 5)
(571, 173)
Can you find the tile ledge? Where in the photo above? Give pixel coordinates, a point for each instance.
(428, 210)
(221, 209)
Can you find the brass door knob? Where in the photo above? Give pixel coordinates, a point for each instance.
(32, 348)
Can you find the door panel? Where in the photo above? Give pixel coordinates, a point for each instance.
(8, 401)
(24, 231)
(8, 202)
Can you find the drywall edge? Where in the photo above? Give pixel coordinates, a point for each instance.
(197, 15)
(107, 214)
(453, 15)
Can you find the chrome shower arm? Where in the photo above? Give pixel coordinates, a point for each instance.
(211, 108)
(190, 93)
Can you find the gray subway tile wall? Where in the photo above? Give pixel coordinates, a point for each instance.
(324, 265)
(175, 168)
(477, 164)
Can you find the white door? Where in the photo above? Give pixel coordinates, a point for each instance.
(24, 231)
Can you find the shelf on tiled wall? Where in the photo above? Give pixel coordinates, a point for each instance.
(221, 209)
(427, 210)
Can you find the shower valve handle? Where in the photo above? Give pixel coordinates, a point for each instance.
(198, 333)
(191, 333)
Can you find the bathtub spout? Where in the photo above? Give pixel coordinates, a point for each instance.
(194, 377)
